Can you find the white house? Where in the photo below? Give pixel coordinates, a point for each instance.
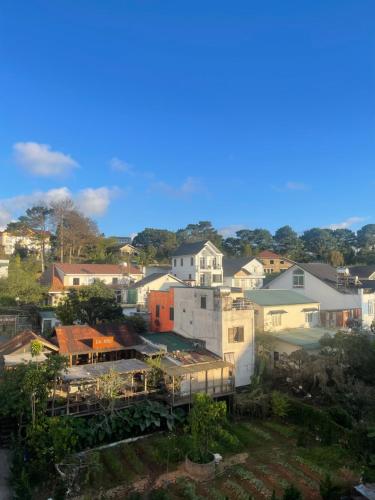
(340, 297)
(199, 263)
(60, 277)
(223, 319)
(246, 273)
(138, 292)
(29, 240)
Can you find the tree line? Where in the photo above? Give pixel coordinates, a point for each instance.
(336, 246)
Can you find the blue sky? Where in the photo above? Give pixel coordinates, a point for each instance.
(160, 113)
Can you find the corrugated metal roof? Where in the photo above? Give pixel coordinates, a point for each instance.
(270, 297)
(306, 338)
(176, 371)
(172, 341)
(96, 370)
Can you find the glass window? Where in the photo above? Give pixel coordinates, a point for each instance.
(192, 261)
(114, 281)
(276, 319)
(171, 313)
(175, 262)
(182, 261)
(76, 281)
(276, 356)
(203, 302)
(157, 312)
(216, 278)
(236, 334)
(271, 261)
(309, 317)
(298, 278)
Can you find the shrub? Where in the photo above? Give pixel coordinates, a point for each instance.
(279, 404)
(329, 490)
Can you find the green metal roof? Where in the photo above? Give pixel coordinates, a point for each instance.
(172, 341)
(277, 297)
(306, 338)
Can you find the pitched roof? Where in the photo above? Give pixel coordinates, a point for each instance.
(362, 271)
(306, 338)
(76, 339)
(268, 254)
(153, 277)
(96, 268)
(277, 297)
(22, 340)
(193, 248)
(231, 266)
(324, 272)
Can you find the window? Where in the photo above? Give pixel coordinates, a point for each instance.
(75, 281)
(214, 264)
(298, 278)
(157, 311)
(276, 319)
(202, 262)
(216, 278)
(171, 313)
(190, 278)
(174, 262)
(203, 302)
(276, 356)
(272, 262)
(371, 308)
(202, 280)
(309, 317)
(281, 262)
(236, 334)
(229, 357)
(192, 261)
(182, 261)
(114, 281)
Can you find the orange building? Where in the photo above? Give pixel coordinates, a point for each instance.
(161, 309)
(274, 263)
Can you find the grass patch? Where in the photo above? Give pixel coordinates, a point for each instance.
(282, 429)
(130, 457)
(327, 458)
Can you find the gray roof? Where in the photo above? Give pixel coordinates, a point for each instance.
(231, 266)
(191, 248)
(277, 297)
(96, 370)
(362, 271)
(324, 272)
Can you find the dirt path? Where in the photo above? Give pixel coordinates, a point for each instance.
(4, 475)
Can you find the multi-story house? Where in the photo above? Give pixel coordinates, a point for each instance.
(340, 295)
(29, 239)
(274, 263)
(61, 277)
(223, 319)
(246, 273)
(137, 293)
(198, 264)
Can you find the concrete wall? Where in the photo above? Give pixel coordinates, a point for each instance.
(212, 324)
(294, 317)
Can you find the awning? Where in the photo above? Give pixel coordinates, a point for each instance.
(278, 311)
(178, 370)
(96, 370)
(310, 309)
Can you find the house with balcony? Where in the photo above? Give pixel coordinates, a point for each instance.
(342, 297)
(198, 264)
(224, 320)
(61, 277)
(246, 273)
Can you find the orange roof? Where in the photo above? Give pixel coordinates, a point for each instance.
(76, 339)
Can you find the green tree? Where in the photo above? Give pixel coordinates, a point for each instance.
(202, 231)
(366, 236)
(205, 421)
(319, 242)
(160, 240)
(336, 258)
(89, 304)
(21, 286)
(286, 240)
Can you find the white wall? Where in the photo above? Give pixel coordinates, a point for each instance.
(329, 298)
(211, 325)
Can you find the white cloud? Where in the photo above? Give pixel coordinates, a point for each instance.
(118, 165)
(95, 202)
(39, 159)
(189, 187)
(92, 202)
(230, 231)
(350, 221)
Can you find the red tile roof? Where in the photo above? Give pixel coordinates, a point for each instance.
(76, 339)
(22, 340)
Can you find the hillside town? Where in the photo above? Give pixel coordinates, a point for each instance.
(106, 325)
